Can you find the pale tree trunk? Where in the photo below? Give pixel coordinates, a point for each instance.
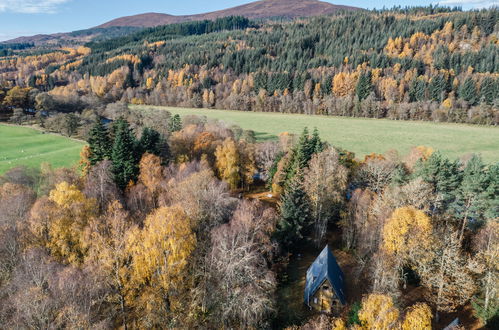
(465, 219)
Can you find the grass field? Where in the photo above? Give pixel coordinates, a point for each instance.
(364, 136)
(30, 147)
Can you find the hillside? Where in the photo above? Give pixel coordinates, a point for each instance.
(254, 10)
(429, 64)
(125, 25)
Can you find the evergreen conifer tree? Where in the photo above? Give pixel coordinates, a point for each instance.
(295, 214)
(468, 91)
(175, 123)
(443, 175)
(98, 141)
(150, 141)
(437, 88)
(364, 86)
(488, 90)
(124, 156)
(492, 191)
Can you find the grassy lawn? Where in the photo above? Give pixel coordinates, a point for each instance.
(29, 147)
(364, 136)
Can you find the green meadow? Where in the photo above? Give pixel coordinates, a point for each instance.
(364, 136)
(30, 147)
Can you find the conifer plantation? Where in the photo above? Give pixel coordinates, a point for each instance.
(188, 222)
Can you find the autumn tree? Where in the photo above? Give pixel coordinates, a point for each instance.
(486, 247)
(99, 184)
(205, 199)
(447, 275)
(375, 172)
(15, 203)
(243, 285)
(407, 233)
(160, 256)
(235, 162)
(109, 252)
(59, 222)
(151, 174)
(378, 312)
(325, 182)
(359, 226)
(418, 317)
(18, 97)
(227, 162)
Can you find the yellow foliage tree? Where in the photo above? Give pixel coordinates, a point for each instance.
(338, 324)
(227, 162)
(84, 163)
(161, 250)
(151, 172)
(378, 313)
(418, 317)
(70, 213)
(407, 232)
(344, 83)
(150, 83)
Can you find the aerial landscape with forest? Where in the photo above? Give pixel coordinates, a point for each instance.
(275, 164)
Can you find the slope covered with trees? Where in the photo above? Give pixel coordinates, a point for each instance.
(422, 64)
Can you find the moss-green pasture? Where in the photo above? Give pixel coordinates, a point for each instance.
(30, 147)
(364, 136)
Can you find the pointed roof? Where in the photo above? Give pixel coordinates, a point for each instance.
(324, 268)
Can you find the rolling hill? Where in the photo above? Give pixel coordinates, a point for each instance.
(264, 9)
(254, 10)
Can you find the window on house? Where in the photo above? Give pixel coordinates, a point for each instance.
(315, 300)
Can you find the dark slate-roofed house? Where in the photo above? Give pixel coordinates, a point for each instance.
(324, 287)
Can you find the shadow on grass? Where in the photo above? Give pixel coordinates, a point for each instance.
(264, 136)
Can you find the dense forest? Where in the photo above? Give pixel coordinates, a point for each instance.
(426, 63)
(191, 223)
(162, 226)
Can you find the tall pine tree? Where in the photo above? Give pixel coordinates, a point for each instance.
(150, 141)
(443, 175)
(295, 214)
(175, 123)
(98, 141)
(468, 91)
(124, 155)
(364, 86)
(471, 197)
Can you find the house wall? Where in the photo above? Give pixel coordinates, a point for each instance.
(324, 299)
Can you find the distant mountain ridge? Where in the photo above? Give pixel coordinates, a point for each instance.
(262, 9)
(255, 10)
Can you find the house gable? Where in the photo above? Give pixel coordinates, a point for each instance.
(324, 271)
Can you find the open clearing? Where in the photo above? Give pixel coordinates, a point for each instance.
(30, 147)
(364, 136)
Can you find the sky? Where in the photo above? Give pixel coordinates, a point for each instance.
(30, 17)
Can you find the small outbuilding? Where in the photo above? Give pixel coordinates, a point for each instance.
(324, 287)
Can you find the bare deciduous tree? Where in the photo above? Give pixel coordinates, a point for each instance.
(325, 182)
(100, 184)
(242, 285)
(265, 155)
